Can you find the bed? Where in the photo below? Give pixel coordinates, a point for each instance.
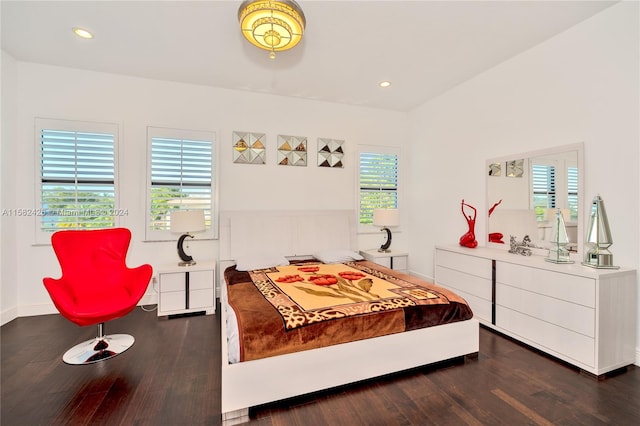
(299, 234)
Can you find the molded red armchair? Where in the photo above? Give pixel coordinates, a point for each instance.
(96, 286)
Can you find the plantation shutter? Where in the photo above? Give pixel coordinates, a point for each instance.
(181, 178)
(544, 188)
(77, 174)
(572, 191)
(378, 183)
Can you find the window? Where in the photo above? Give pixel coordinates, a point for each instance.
(77, 174)
(378, 181)
(544, 189)
(181, 170)
(572, 191)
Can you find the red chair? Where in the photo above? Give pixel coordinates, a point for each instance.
(96, 286)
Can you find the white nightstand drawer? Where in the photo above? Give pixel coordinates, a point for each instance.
(172, 301)
(201, 280)
(200, 299)
(172, 282)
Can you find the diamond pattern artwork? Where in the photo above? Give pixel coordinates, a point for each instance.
(515, 168)
(292, 150)
(249, 148)
(330, 153)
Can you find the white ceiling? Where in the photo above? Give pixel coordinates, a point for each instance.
(423, 47)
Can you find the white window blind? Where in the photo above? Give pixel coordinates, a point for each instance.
(544, 188)
(378, 179)
(572, 191)
(181, 170)
(77, 176)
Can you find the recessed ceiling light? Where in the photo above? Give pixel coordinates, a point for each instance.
(82, 33)
(385, 83)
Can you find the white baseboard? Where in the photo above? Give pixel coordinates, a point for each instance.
(8, 315)
(49, 308)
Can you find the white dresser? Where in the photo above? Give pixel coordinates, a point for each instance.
(581, 315)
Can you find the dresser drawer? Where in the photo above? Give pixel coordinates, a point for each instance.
(464, 282)
(558, 341)
(572, 288)
(471, 265)
(571, 316)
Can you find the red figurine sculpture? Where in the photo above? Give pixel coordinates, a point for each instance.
(495, 237)
(469, 239)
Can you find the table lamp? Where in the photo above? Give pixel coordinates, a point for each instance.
(599, 238)
(559, 253)
(386, 218)
(185, 222)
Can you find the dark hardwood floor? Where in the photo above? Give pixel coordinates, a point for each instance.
(171, 376)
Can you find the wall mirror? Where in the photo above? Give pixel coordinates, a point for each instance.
(535, 184)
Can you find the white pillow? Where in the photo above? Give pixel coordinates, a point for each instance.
(260, 261)
(337, 256)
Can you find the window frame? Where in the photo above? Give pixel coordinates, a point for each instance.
(77, 126)
(381, 150)
(182, 134)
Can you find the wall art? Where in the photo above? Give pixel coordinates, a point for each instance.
(330, 153)
(249, 148)
(495, 169)
(515, 168)
(292, 150)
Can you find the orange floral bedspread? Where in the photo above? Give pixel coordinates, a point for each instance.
(300, 307)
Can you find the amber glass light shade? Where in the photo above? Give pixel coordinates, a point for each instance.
(273, 25)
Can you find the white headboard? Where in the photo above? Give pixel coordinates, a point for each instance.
(289, 233)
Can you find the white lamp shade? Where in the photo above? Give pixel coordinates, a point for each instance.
(187, 221)
(386, 217)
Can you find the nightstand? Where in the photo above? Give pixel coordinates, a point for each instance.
(186, 289)
(394, 259)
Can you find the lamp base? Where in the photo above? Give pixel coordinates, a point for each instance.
(385, 247)
(559, 254)
(599, 259)
(186, 259)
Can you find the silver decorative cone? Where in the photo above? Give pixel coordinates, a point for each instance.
(559, 253)
(599, 238)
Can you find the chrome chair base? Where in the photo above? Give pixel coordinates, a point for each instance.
(98, 349)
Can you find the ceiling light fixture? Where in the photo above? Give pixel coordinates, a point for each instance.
(273, 25)
(385, 83)
(82, 33)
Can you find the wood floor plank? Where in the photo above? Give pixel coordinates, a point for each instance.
(171, 376)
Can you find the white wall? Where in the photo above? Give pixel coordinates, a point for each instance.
(580, 86)
(134, 103)
(8, 259)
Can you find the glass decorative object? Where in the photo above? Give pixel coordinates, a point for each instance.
(249, 148)
(559, 252)
(292, 150)
(599, 238)
(330, 153)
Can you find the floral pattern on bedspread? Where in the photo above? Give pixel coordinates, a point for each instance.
(305, 295)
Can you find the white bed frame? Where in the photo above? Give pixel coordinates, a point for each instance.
(300, 233)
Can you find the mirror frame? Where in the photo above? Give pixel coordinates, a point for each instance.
(579, 148)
